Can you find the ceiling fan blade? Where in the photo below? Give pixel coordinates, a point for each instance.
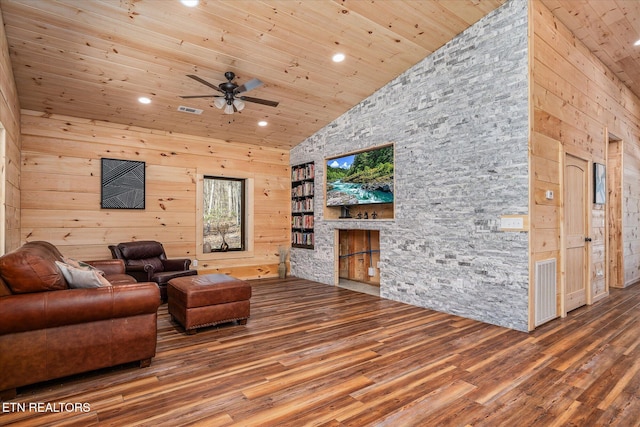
(204, 82)
(202, 96)
(259, 101)
(251, 84)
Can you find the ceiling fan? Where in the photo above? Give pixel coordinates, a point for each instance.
(231, 100)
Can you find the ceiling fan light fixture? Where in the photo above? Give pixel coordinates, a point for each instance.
(219, 102)
(229, 98)
(239, 104)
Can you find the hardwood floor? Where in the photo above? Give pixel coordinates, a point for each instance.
(313, 354)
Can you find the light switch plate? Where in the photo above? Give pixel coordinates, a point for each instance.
(512, 223)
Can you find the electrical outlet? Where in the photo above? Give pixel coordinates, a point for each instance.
(194, 262)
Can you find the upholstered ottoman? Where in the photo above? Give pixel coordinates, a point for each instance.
(199, 301)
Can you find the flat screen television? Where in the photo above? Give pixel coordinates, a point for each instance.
(361, 178)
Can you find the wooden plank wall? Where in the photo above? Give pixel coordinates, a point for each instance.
(61, 190)
(10, 163)
(614, 193)
(631, 212)
(576, 102)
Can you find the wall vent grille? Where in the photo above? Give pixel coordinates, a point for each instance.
(545, 292)
(189, 110)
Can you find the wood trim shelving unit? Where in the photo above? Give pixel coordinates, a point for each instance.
(302, 197)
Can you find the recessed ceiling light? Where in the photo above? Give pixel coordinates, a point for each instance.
(637, 43)
(189, 3)
(338, 57)
(144, 100)
(262, 123)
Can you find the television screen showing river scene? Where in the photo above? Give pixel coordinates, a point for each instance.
(361, 179)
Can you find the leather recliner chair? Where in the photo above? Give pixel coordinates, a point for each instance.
(147, 261)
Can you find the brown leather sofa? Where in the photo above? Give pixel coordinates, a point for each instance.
(49, 330)
(147, 261)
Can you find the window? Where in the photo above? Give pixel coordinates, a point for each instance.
(3, 180)
(223, 214)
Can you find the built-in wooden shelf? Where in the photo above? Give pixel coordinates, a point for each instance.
(382, 211)
(302, 198)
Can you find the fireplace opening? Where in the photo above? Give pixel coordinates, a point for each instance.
(358, 260)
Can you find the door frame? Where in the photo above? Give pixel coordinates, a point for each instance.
(563, 239)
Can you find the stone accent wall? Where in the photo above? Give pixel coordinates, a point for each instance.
(459, 122)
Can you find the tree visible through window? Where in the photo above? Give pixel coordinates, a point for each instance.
(223, 214)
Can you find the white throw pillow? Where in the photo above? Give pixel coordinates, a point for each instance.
(82, 277)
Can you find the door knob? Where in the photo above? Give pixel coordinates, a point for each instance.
(587, 239)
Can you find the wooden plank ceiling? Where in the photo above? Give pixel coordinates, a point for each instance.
(93, 59)
(609, 28)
